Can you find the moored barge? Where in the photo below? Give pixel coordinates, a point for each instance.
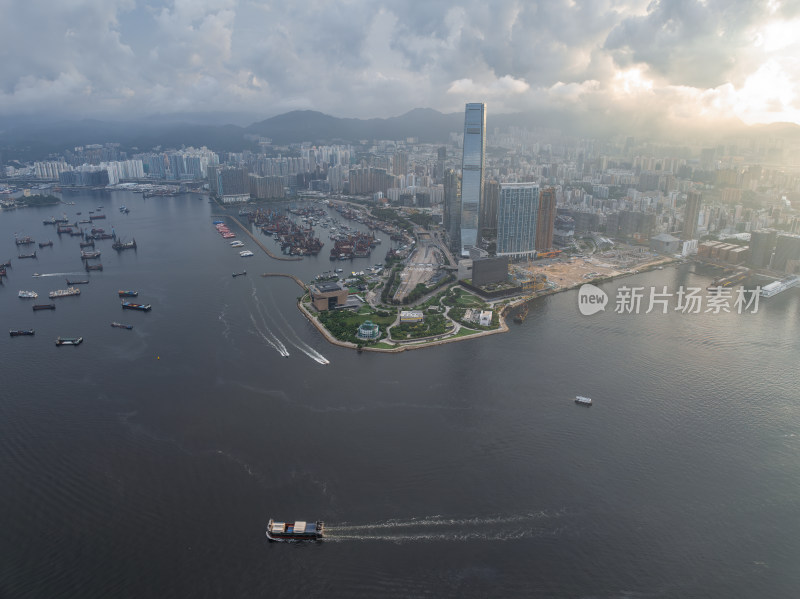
(140, 307)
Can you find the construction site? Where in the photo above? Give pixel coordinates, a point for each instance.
(564, 273)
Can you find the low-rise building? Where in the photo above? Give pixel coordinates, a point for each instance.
(486, 318)
(410, 316)
(328, 295)
(368, 331)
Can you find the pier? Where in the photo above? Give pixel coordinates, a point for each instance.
(288, 276)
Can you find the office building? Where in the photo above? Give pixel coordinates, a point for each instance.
(452, 209)
(491, 196)
(787, 253)
(517, 212)
(472, 167)
(762, 243)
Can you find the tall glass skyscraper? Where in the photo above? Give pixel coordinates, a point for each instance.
(517, 213)
(472, 174)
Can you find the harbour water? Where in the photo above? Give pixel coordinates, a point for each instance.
(146, 462)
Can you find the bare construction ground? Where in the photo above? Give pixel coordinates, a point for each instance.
(583, 270)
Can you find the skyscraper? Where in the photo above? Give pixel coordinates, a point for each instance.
(452, 209)
(517, 213)
(491, 195)
(762, 243)
(787, 253)
(691, 215)
(545, 221)
(472, 163)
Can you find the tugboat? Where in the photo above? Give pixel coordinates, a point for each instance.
(127, 293)
(33, 255)
(45, 244)
(69, 340)
(119, 325)
(119, 245)
(239, 274)
(20, 332)
(295, 531)
(132, 306)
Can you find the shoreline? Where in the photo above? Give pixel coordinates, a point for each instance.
(502, 328)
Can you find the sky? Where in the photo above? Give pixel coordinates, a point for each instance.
(686, 61)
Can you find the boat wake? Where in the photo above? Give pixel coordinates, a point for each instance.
(263, 329)
(273, 342)
(222, 318)
(295, 340)
(57, 274)
(439, 528)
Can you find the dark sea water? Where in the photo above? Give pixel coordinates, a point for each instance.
(146, 463)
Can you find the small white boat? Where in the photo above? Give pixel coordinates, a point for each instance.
(580, 399)
(245, 253)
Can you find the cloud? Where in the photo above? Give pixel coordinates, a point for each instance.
(362, 58)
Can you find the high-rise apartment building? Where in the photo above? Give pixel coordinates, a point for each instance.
(441, 159)
(472, 167)
(452, 209)
(691, 215)
(517, 212)
(545, 220)
(400, 163)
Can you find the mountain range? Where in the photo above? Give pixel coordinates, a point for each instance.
(33, 139)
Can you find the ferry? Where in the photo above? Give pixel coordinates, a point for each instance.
(64, 292)
(44, 307)
(20, 332)
(28, 294)
(295, 531)
(584, 401)
(777, 287)
(122, 293)
(69, 340)
(132, 306)
(119, 325)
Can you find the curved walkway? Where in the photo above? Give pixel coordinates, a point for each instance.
(288, 276)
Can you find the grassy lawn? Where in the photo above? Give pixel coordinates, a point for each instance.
(465, 332)
(382, 345)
